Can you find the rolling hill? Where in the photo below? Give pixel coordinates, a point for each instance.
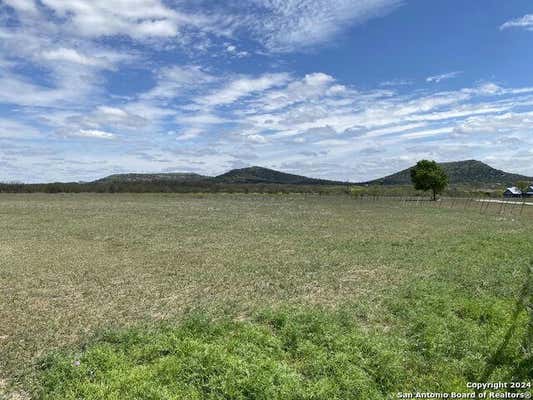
(469, 172)
(163, 177)
(266, 175)
(250, 175)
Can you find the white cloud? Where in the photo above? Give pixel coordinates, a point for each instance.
(11, 128)
(488, 89)
(193, 114)
(525, 22)
(277, 25)
(112, 112)
(429, 132)
(312, 87)
(176, 80)
(442, 77)
(255, 138)
(201, 119)
(242, 87)
(189, 134)
(27, 6)
(20, 91)
(396, 82)
(296, 24)
(394, 129)
(135, 18)
(71, 55)
(71, 69)
(93, 133)
(232, 50)
(511, 122)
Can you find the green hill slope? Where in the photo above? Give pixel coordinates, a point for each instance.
(470, 172)
(248, 175)
(265, 175)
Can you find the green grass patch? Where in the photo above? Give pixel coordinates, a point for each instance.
(292, 354)
(430, 289)
(312, 355)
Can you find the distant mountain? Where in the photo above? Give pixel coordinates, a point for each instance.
(249, 175)
(470, 172)
(163, 177)
(265, 175)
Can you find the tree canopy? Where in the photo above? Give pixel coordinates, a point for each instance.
(428, 175)
(523, 186)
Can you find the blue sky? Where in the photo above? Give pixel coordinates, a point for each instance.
(341, 89)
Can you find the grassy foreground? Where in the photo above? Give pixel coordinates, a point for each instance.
(257, 296)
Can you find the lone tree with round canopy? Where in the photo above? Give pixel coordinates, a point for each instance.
(428, 175)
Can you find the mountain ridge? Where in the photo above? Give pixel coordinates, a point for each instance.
(471, 172)
(467, 172)
(248, 175)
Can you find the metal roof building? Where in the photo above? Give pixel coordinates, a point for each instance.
(512, 191)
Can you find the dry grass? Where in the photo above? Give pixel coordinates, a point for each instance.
(73, 264)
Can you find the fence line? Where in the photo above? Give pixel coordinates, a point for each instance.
(504, 207)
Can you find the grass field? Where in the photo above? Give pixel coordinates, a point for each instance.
(320, 296)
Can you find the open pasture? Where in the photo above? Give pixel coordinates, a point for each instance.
(432, 291)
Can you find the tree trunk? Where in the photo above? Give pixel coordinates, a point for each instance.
(434, 195)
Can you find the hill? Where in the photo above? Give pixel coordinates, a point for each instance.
(266, 175)
(469, 172)
(163, 177)
(250, 175)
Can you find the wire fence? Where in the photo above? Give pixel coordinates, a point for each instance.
(520, 207)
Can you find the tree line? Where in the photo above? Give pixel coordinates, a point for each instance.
(165, 187)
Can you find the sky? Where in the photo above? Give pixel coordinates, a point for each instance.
(338, 89)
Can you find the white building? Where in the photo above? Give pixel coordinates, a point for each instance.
(512, 191)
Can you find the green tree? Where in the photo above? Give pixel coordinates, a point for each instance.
(522, 185)
(428, 175)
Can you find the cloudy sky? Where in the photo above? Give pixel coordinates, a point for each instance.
(342, 89)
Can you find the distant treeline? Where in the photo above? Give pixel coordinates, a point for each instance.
(166, 187)
(212, 187)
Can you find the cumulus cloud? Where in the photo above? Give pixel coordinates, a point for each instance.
(256, 138)
(61, 66)
(135, 18)
(278, 25)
